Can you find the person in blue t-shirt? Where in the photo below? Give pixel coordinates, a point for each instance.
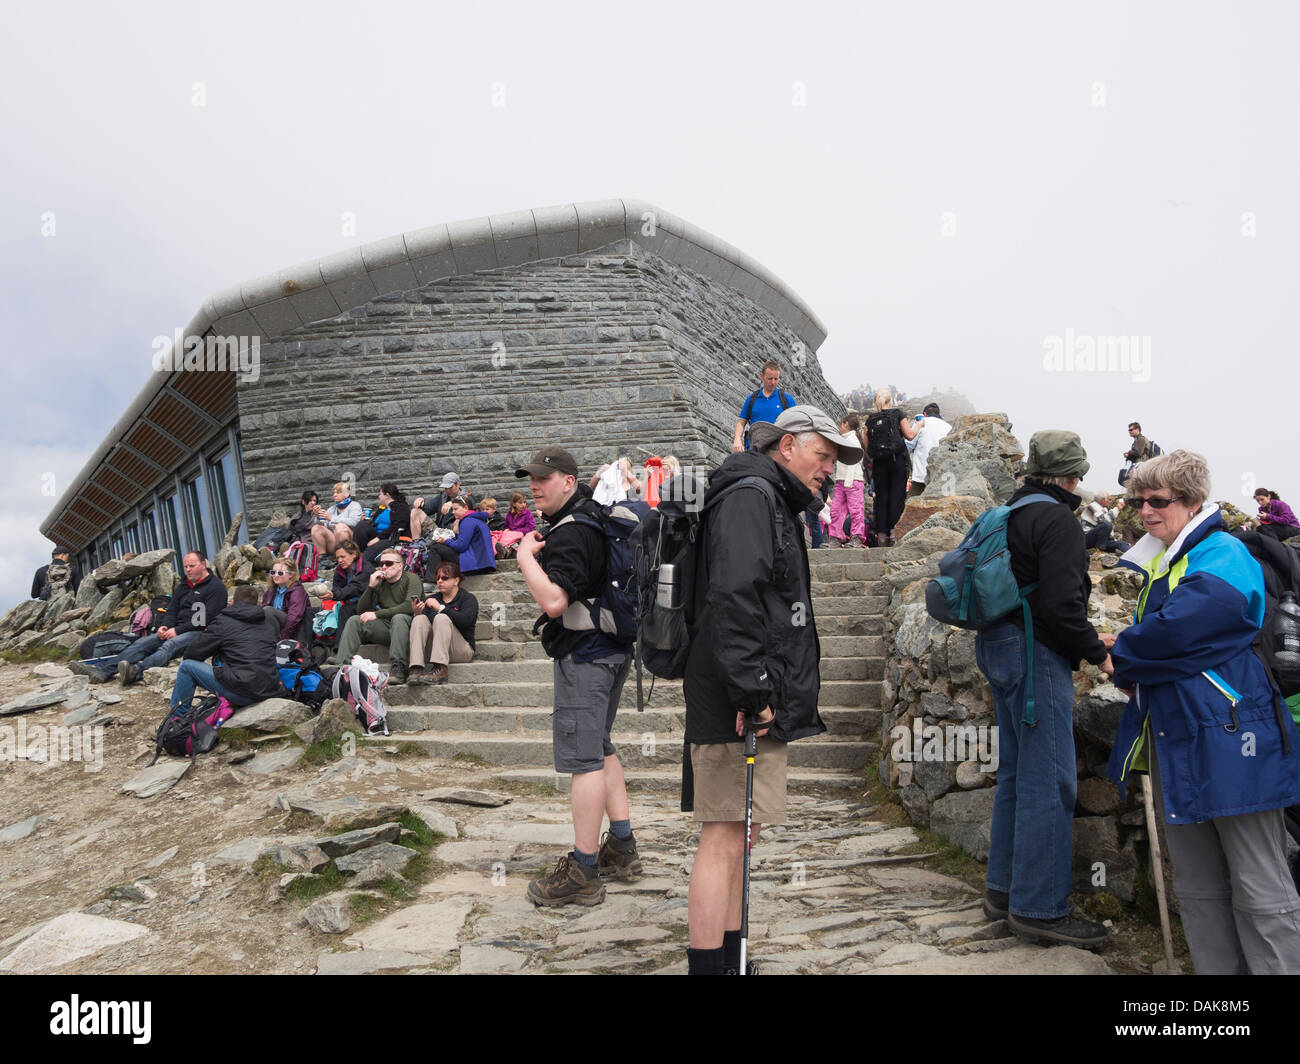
(766, 404)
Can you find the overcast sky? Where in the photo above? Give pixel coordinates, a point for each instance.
(958, 190)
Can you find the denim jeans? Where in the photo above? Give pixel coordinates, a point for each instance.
(814, 528)
(151, 652)
(197, 674)
(1033, 808)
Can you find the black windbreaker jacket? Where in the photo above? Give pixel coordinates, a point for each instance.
(243, 640)
(755, 642)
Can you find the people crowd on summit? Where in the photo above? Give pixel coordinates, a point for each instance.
(1198, 687)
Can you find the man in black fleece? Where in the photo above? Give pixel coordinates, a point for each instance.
(241, 642)
(1029, 869)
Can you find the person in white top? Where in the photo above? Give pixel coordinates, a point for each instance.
(336, 523)
(932, 428)
(847, 496)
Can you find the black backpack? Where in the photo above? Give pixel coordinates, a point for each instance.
(1281, 568)
(105, 644)
(747, 411)
(666, 597)
(884, 436)
(192, 732)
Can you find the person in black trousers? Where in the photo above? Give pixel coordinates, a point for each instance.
(887, 429)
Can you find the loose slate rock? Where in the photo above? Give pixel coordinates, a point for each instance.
(34, 701)
(346, 813)
(393, 858)
(437, 821)
(82, 715)
(329, 915)
(21, 830)
(51, 671)
(488, 960)
(158, 778)
(163, 857)
(462, 796)
(430, 929)
(265, 764)
(270, 715)
(365, 961)
(67, 938)
(305, 857)
(351, 841)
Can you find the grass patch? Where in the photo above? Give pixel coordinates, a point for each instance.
(237, 738)
(471, 759)
(36, 655)
(411, 750)
(323, 752)
(525, 788)
(327, 881)
(364, 908)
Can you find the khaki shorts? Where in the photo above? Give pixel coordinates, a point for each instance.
(719, 771)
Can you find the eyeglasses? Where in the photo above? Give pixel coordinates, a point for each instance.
(279, 572)
(388, 565)
(1154, 501)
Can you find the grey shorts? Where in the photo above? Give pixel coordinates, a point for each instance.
(586, 701)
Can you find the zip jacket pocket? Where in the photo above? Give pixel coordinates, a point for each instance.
(1232, 696)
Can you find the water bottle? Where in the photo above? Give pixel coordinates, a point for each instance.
(668, 594)
(1286, 635)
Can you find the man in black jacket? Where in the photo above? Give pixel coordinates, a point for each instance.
(563, 571)
(194, 605)
(241, 643)
(1029, 870)
(754, 658)
(59, 576)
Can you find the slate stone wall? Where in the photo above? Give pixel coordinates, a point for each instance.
(599, 353)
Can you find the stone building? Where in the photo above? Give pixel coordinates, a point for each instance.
(611, 327)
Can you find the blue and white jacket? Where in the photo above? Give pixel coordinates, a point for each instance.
(1224, 744)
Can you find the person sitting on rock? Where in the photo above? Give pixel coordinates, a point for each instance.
(194, 605)
(443, 629)
(388, 524)
(1276, 518)
(471, 547)
(302, 522)
(338, 521)
(287, 594)
(59, 576)
(384, 614)
(242, 643)
(351, 578)
(439, 507)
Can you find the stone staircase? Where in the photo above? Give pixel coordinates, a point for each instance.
(497, 708)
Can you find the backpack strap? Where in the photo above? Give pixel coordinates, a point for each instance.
(747, 411)
(785, 401)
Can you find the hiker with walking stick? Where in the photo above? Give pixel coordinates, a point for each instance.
(752, 672)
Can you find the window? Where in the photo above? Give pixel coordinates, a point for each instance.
(149, 531)
(133, 538)
(230, 492)
(199, 512)
(170, 529)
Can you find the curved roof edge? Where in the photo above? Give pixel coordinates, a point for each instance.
(312, 291)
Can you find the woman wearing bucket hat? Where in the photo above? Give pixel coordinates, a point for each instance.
(1029, 870)
(1203, 719)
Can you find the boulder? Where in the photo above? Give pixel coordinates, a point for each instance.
(271, 715)
(1097, 714)
(144, 564)
(1099, 862)
(104, 609)
(68, 938)
(921, 543)
(29, 703)
(351, 841)
(109, 574)
(328, 915)
(21, 617)
(88, 594)
(336, 718)
(162, 581)
(157, 778)
(54, 609)
(224, 559)
(393, 858)
(966, 818)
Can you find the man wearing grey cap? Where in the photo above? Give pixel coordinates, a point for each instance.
(753, 659)
(439, 507)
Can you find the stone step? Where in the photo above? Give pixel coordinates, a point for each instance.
(844, 721)
(670, 781)
(540, 671)
(840, 567)
(839, 605)
(865, 693)
(635, 751)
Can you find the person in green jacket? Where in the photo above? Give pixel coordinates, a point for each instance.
(384, 614)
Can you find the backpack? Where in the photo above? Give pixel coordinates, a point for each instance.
(613, 610)
(148, 619)
(667, 552)
(1155, 449)
(192, 731)
(355, 683)
(747, 411)
(976, 588)
(58, 575)
(105, 645)
(414, 556)
(306, 557)
(325, 622)
(272, 537)
(884, 436)
(1281, 568)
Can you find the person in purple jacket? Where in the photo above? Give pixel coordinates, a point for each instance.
(1276, 518)
(287, 593)
(471, 548)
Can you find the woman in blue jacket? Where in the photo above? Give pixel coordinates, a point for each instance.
(471, 548)
(1223, 752)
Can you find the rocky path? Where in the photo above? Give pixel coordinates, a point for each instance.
(199, 876)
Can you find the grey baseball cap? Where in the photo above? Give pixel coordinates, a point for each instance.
(799, 419)
(450, 480)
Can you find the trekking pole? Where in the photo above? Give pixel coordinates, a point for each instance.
(751, 750)
(1158, 873)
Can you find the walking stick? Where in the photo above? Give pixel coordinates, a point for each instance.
(751, 750)
(1158, 873)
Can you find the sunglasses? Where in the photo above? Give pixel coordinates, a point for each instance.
(279, 572)
(388, 565)
(1154, 501)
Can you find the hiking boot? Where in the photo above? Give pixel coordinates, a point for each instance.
(997, 904)
(618, 858)
(858, 542)
(436, 674)
(1067, 930)
(397, 672)
(93, 674)
(128, 673)
(415, 676)
(570, 883)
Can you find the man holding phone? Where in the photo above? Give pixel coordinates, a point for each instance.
(384, 614)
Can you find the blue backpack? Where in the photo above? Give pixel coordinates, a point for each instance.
(614, 610)
(976, 588)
